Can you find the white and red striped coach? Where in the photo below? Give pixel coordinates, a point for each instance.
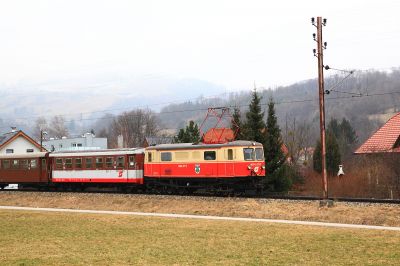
(98, 166)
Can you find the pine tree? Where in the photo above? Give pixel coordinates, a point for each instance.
(274, 157)
(333, 157)
(237, 124)
(190, 134)
(345, 136)
(254, 127)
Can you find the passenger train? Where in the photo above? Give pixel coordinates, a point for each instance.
(235, 166)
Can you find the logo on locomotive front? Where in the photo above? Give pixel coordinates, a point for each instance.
(197, 168)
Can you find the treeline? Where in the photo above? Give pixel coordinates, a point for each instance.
(128, 129)
(363, 99)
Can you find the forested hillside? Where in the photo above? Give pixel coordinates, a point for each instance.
(366, 99)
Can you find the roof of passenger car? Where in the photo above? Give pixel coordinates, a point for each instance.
(107, 152)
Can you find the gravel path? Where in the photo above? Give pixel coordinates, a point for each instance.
(206, 217)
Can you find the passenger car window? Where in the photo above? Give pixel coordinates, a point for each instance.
(6, 164)
(14, 164)
(209, 155)
(120, 162)
(248, 154)
(68, 163)
(99, 162)
(88, 163)
(78, 163)
(23, 164)
(59, 163)
(34, 163)
(109, 162)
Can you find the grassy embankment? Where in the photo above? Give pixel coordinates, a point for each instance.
(354, 213)
(32, 238)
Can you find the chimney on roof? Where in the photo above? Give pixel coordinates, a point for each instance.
(13, 129)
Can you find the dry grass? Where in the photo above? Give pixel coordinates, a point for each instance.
(372, 214)
(31, 238)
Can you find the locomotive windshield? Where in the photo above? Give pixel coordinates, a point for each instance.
(251, 154)
(248, 154)
(259, 154)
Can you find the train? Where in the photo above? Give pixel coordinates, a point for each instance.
(181, 168)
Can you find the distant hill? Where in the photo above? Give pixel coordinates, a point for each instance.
(79, 99)
(367, 99)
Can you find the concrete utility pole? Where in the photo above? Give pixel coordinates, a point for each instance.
(319, 54)
(42, 134)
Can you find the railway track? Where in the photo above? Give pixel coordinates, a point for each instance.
(338, 199)
(276, 197)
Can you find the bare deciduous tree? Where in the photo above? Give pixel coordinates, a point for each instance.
(297, 139)
(40, 124)
(134, 126)
(57, 127)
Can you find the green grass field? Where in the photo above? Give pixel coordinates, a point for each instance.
(32, 238)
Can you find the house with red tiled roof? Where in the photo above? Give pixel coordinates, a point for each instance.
(18, 142)
(385, 140)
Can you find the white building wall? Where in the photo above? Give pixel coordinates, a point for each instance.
(88, 141)
(19, 145)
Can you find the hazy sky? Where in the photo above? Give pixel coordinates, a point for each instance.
(230, 43)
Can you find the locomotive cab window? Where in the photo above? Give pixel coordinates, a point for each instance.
(259, 154)
(210, 155)
(149, 157)
(248, 154)
(166, 156)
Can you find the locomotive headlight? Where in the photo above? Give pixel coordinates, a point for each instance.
(263, 167)
(249, 167)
